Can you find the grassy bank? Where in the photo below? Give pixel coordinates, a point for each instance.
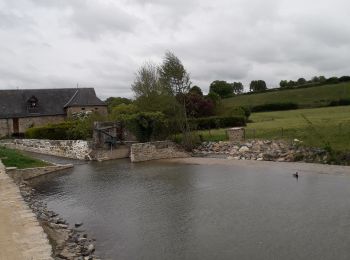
(318, 127)
(13, 158)
(305, 97)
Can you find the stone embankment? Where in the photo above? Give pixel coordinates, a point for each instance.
(263, 150)
(67, 243)
(141, 152)
(21, 236)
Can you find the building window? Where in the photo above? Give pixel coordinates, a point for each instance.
(83, 108)
(96, 108)
(32, 105)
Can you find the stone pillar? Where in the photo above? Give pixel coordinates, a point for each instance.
(236, 134)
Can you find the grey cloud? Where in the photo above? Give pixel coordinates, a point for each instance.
(47, 43)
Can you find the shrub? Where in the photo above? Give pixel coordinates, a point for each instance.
(147, 126)
(275, 107)
(50, 131)
(217, 122)
(344, 79)
(340, 102)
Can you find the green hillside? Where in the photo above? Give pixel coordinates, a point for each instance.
(305, 97)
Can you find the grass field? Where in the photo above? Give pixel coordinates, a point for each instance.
(318, 127)
(13, 158)
(304, 97)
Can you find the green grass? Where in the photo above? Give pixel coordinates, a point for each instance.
(305, 97)
(330, 126)
(13, 158)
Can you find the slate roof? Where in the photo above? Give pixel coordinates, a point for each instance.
(14, 103)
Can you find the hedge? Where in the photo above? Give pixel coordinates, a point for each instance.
(217, 122)
(340, 102)
(275, 107)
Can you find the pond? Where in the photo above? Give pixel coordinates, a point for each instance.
(161, 210)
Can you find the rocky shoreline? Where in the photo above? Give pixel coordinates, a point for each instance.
(67, 243)
(264, 150)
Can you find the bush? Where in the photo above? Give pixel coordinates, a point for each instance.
(147, 126)
(217, 122)
(275, 107)
(51, 131)
(340, 102)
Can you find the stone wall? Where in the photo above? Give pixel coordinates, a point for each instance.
(29, 173)
(156, 150)
(6, 128)
(102, 110)
(236, 134)
(75, 149)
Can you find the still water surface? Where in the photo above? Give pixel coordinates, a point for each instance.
(172, 211)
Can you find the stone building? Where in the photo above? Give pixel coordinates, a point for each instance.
(24, 108)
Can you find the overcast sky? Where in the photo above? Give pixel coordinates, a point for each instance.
(102, 43)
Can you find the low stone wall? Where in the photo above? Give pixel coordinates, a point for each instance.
(75, 149)
(156, 150)
(236, 134)
(29, 173)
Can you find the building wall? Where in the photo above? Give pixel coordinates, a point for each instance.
(6, 127)
(102, 110)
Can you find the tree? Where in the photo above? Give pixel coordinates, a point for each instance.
(284, 83)
(237, 87)
(173, 75)
(196, 90)
(291, 84)
(301, 81)
(147, 81)
(198, 106)
(116, 101)
(257, 86)
(222, 88)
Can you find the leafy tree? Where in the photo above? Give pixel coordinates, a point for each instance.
(291, 84)
(147, 81)
(237, 87)
(115, 101)
(284, 83)
(198, 106)
(222, 88)
(344, 78)
(301, 81)
(196, 90)
(173, 75)
(257, 86)
(215, 98)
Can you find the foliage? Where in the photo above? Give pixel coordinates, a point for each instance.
(196, 90)
(332, 80)
(80, 129)
(340, 102)
(173, 75)
(121, 110)
(275, 107)
(257, 86)
(237, 88)
(217, 122)
(215, 98)
(147, 126)
(344, 79)
(198, 106)
(146, 83)
(13, 158)
(116, 101)
(222, 88)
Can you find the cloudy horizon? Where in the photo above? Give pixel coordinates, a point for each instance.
(102, 43)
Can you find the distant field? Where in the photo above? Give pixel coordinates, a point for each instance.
(304, 97)
(328, 125)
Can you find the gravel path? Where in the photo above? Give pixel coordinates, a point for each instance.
(21, 236)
